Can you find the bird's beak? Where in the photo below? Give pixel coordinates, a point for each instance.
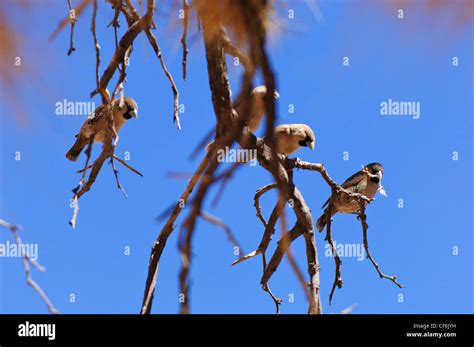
(380, 175)
(311, 145)
(134, 113)
(276, 95)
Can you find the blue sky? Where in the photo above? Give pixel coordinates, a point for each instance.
(389, 58)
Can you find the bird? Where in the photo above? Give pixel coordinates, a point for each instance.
(257, 111)
(366, 182)
(96, 126)
(257, 107)
(291, 137)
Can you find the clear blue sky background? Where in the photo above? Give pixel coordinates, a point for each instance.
(405, 60)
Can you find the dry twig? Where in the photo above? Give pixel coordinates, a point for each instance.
(27, 261)
(165, 232)
(185, 33)
(337, 278)
(72, 19)
(227, 230)
(363, 221)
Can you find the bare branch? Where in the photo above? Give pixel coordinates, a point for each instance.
(119, 184)
(127, 39)
(127, 166)
(363, 221)
(156, 48)
(282, 245)
(275, 299)
(227, 230)
(75, 199)
(27, 260)
(224, 178)
(337, 278)
(313, 307)
(62, 24)
(165, 232)
(269, 227)
(185, 33)
(72, 19)
(96, 43)
(256, 201)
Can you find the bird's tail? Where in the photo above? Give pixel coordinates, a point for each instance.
(322, 221)
(76, 149)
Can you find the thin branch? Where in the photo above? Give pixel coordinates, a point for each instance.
(297, 163)
(96, 42)
(119, 184)
(127, 39)
(27, 260)
(256, 201)
(337, 278)
(269, 226)
(183, 38)
(156, 48)
(227, 230)
(165, 232)
(117, 5)
(72, 19)
(224, 178)
(127, 166)
(120, 161)
(202, 144)
(363, 221)
(75, 199)
(304, 216)
(336, 189)
(107, 152)
(295, 267)
(278, 301)
(133, 15)
(237, 53)
(62, 24)
(185, 252)
(189, 225)
(280, 250)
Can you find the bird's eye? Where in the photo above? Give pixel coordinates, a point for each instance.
(374, 171)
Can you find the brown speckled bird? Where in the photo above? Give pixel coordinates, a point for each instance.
(96, 125)
(290, 137)
(366, 182)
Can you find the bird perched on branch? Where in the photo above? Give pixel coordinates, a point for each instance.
(96, 127)
(366, 182)
(257, 109)
(290, 137)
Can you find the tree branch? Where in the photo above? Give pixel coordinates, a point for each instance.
(363, 221)
(27, 261)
